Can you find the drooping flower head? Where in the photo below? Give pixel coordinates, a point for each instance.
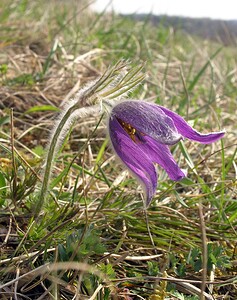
(141, 133)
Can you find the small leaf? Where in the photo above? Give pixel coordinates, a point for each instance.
(187, 181)
(108, 270)
(2, 184)
(4, 120)
(62, 253)
(39, 150)
(42, 108)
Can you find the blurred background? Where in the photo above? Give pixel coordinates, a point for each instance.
(225, 10)
(208, 19)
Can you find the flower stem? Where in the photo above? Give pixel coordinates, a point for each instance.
(50, 158)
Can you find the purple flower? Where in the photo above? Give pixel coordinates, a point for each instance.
(141, 132)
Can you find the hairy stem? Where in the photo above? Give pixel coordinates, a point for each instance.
(50, 158)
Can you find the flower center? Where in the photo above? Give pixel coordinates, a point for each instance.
(134, 134)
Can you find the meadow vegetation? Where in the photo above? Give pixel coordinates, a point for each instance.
(93, 239)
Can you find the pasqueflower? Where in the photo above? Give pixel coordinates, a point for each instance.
(141, 134)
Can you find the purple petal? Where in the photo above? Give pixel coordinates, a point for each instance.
(187, 131)
(134, 158)
(149, 119)
(161, 154)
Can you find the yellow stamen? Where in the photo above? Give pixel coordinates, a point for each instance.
(131, 131)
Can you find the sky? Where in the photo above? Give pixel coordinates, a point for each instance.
(214, 9)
